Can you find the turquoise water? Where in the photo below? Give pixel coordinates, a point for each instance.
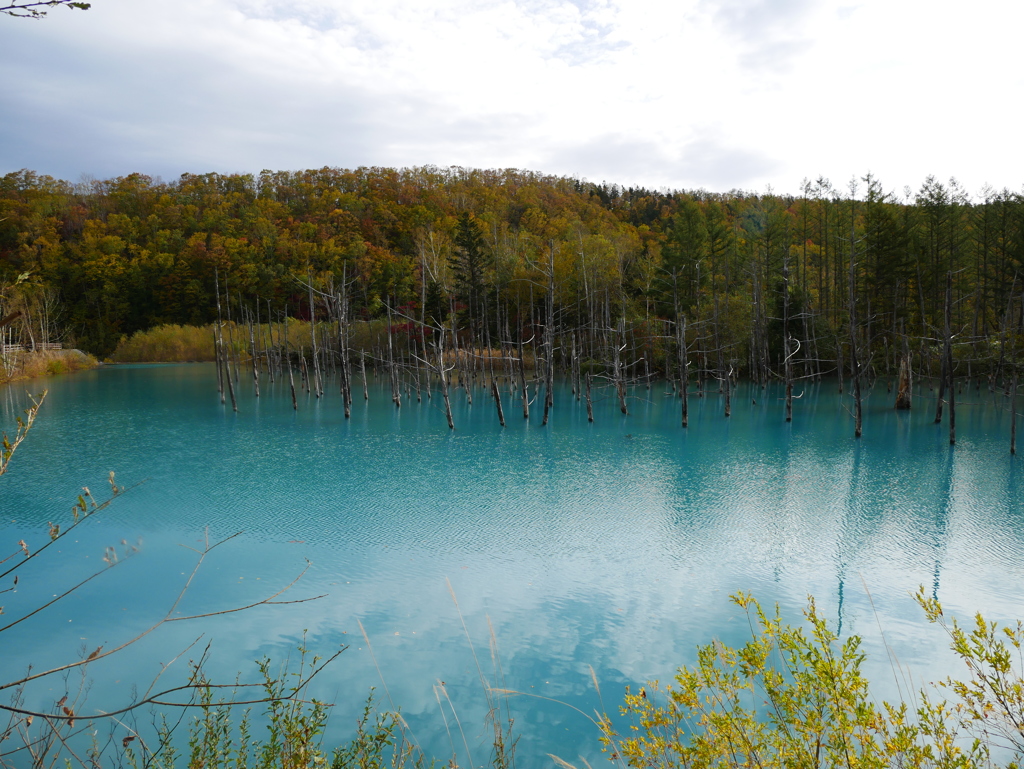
(611, 546)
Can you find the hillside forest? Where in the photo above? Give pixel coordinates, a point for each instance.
(852, 279)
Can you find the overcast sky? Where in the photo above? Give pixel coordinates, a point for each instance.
(720, 94)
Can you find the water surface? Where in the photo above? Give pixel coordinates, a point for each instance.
(611, 546)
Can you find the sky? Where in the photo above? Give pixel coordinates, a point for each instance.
(664, 94)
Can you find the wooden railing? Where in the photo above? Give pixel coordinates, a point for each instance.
(40, 346)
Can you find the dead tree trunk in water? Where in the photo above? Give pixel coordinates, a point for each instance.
(345, 377)
(270, 346)
(840, 364)
(942, 390)
(253, 354)
(231, 384)
(522, 378)
(948, 356)
(230, 352)
(858, 413)
(786, 341)
(574, 370)
(442, 376)
(362, 369)
(684, 368)
(858, 406)
(396, 390)
(416, 371)
(590, 403)
(549, 339)
(789, 376)
(216, 357)
(617, 373)
(304, 370)
(497, 401)
(905, 386)
(315, 384)
(222, 353)
(288, 357)
(1013, 417)
(727, 384)
(217, 341)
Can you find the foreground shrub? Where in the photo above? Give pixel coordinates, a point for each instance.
(794, 697)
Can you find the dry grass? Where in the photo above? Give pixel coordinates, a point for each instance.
(29, 365)
(166, 344)
(186, 344)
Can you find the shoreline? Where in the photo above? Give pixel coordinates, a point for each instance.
(23, 366)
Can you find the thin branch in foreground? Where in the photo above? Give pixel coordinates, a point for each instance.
(32, 9)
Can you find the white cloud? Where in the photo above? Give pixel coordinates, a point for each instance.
(717, 93)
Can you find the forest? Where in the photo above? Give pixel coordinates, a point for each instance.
(591, 277)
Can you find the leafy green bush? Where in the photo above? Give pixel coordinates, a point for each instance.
(794, 697)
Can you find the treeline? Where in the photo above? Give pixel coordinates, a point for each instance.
(853, 279)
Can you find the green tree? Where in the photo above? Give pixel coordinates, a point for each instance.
(885, 257)
(685, 250)
(469, 262)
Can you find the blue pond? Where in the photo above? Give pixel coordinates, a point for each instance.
(608, 548)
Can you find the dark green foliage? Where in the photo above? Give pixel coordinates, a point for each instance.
(469, 262)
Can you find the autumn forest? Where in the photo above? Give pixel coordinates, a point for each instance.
(852, 278)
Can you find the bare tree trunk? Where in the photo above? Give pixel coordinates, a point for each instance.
(497, 401)
(948, 355)
(312, 335)
(362, 368)
(905, 386)
(858, 412)
(231, 384)
(942, 390)
(270, 344)
(854, 357)
(840, 364)
(1013, 417)
(417, 371)
(223, 354)
(255, 358)
(549, 338)
(288, 358)
(444, 382)
(216, 357)
(223, 360)
(590, 403)
(217, 345)
(789, 379)
(343, 351)
(396, 390)
(727, 384)
(684, 368)
(786, 341)
(523, 389)
(620, 387)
